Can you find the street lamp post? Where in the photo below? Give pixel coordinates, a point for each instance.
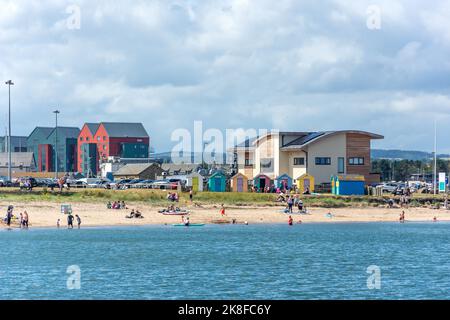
(9, 83)
(56, 112)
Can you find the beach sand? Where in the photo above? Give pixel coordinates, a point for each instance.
(46, 214)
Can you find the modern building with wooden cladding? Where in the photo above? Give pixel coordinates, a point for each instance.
(318, 154)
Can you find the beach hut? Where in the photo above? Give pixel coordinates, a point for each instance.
(283, 181)
(305, 181)
(195, 181)
(239, 183)
(349, 185)
(261, 181)
(217, 182)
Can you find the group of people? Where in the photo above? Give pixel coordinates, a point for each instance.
(70, 219)
(116, 205)
(135, 214)
(294, 201)
(26, 184)
(291, 221)
(23, 218)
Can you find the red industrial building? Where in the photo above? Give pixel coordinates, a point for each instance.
(98, 141)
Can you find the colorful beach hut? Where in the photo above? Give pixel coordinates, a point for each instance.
(195, 181)
(261, 181)
(217, 182)
(284, 181)
(239, 183)
(305, 181)
(348, 185)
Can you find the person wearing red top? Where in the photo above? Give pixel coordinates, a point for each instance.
(291, 221)
(222, 210)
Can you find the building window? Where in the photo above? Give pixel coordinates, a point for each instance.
(81, 138)
(341, 165)
(104, 138)
(248, 163)
(323, 161)
(356, 161)
(104, 147)
(87, 138)
(98, 138)
(299, 161)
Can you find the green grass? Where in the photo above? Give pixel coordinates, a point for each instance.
(158, 197)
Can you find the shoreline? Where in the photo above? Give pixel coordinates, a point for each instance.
(94, 214)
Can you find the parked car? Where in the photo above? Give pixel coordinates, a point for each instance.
(144, 184)
(132, 183)
(389, 187)
(121, 184)
(4, 182)
(164, 185)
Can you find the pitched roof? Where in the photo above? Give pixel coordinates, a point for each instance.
(180, 168)
(314, 136)
(125, 129)
(133, 169)
(92, 127)
(45, 131)
(68, 132)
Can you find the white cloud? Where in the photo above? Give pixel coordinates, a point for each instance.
(233, 63)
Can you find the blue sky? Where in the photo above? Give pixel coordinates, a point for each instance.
(288, 65)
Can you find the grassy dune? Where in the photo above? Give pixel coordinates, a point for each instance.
(158, 197)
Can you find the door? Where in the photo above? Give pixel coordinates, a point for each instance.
(306, 184)
(240, 185)
(217, 184)
(195, 183)
(262, 184)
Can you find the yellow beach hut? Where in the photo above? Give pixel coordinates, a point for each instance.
(305, 181)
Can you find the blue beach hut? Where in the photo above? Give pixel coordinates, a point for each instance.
(217, 182)
(283, 181)
(348, 185)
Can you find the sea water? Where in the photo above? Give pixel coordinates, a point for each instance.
(309, 261)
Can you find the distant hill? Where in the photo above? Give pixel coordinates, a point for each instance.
(404, 154)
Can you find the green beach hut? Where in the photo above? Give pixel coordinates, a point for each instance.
(217, 182)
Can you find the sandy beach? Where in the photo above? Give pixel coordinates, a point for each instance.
(46, 214)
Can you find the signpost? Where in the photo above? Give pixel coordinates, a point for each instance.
(66, 209)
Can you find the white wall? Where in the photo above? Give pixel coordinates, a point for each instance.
(334, 147)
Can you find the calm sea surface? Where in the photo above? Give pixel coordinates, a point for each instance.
(311, 261)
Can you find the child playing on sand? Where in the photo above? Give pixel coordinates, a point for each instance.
(25, 219)
(222, 210)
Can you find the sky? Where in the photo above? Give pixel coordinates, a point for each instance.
(380, 66)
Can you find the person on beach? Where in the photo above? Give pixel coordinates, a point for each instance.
(70, 221)
(25, 219)
(78, 221)
(402, 217)
(21, 220)
(222, 210)
(434, 219)
(191, 195)
(185, 221)
(300, 205)
(9, 215)
(290, 203)
(291, 221)
(58, 223)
